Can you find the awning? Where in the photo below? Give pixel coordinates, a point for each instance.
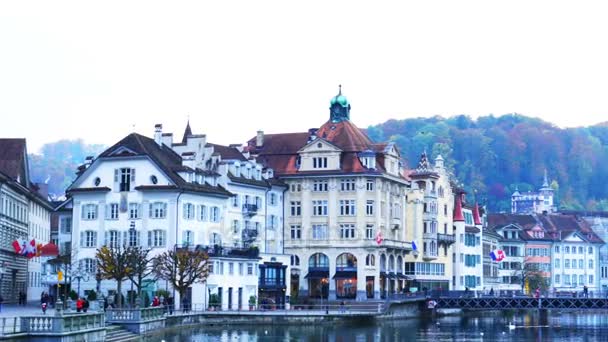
(345, 274)
(382, 274)
(403, 276)
(470, 229)
(391, 275)
(317, 274)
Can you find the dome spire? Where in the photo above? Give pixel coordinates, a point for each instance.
(339, 107)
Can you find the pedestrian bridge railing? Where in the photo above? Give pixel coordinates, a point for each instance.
(119, 315)
(498, 303)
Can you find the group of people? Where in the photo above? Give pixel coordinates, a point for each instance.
(82, 304)
(22, 298)
(45, 301)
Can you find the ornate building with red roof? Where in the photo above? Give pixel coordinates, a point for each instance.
(345, 210)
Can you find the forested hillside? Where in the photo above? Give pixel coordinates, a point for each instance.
(494, 155)
(57, 162)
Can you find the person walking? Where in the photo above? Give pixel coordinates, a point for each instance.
(44, 302)
(79, 305)
(586, 291)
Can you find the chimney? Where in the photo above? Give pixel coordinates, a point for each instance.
(158, 134)
(167, 139)
(259, 139)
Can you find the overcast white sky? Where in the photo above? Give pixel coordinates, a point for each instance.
(94, 69)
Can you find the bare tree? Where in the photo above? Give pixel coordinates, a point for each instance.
(141, 268)
(113, 263)
(182, 268)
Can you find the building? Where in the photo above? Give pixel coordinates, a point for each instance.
(430, 225)
(511, 242)
(24, 214)
(534, 202)
(345, 208)
(467, 259)
(490, 242)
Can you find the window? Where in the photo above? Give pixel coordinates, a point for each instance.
(347, 184)
(370, 185)
(249, 268)
(590, 250)
(319, 162)
(235, 201)
(295, 187)
(258, 201)
(320, 185)
(369, 231)
(240, 268)
(347, 207)
(230, 268)
(88, 265)
(273, 199)
(590, 280)
(295, 260)
(319, 231)
(370, 260)
(296, 232)
(236, 225)
(319, 208)
(89, 212)
(134, 209)
(581, 264)
(581, 279)
(88, 239)
(580, 250)
(296, 208)
(158, 210)
(215, 214)
(567, 250)
(347, 231)
(133, 237)
(66, 224)
(187, 238)
(590, 263)
(112, 211)
(123, 178)
(566, 279)
(557, 279)
(566, 263)
(369, 208)
(113, 238)
(202, 212)
(156, 238)
(557, 263)
(188, 211)
(556, 249)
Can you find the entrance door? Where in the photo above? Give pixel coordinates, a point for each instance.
(230, 298)
(220, 295)
(369, 287)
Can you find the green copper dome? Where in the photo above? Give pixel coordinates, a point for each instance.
(339, 99)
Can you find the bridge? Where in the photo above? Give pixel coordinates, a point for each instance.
(497, 303)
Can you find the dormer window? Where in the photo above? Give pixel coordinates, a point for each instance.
(319, 163)
(248, 175)
(237, 170)
(123, 178)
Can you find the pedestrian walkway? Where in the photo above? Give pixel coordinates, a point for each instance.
(14, 310)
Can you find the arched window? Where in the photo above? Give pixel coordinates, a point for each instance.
(382, 263)
(370, 260)
(346, 260)
(391, 263)
(295, 260)
(399, 264)
(318, 260)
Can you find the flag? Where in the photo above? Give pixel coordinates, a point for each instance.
(19, 246)
(379, 238)
(497, 255)
(414, 247)
(30, 249)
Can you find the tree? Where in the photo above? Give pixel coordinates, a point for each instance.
(140, 266)
(113, 264)
(532, 277)
(182, 268)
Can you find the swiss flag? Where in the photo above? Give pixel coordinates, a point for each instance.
(379, 238)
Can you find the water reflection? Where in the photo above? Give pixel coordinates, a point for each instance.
(477, 326)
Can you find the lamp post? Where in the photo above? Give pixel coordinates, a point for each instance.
(79, 274)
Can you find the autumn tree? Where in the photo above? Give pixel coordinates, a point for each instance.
(140, 267)
(182, 268)
(113, 264)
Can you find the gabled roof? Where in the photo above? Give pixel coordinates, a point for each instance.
(227, 153)
(163, 156)
(12, 159)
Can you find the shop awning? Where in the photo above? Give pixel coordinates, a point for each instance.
(317, 274)
(391, 275)
(345, 274)
(403, 276)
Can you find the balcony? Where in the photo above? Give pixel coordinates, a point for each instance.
(249, 234)
(250, 209)
(431, 236)
(429, 256)
(448, 239)
(216, 251)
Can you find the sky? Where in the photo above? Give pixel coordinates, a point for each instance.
(101, 70)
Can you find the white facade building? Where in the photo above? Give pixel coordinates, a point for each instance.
(575, 263)
(468, 263)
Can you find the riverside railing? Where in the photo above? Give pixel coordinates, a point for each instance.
(61, 324)
(294, 309)
(10, 325)
(134, 315)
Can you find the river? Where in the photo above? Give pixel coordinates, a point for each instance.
(472, 326)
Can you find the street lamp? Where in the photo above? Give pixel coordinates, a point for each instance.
(79, 274)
